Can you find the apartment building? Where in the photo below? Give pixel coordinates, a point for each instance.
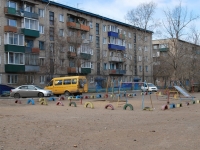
(42, 39)
(175, 61)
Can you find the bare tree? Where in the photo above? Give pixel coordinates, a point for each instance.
(142, 18)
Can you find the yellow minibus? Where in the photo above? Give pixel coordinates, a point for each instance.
(70, 85)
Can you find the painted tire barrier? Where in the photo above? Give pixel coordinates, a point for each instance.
(187, 103)
(109, 105)
(128, 105)
(106, 96)
(18, 102)
(89, 103)
(171, 105)
(61, 98)
(193, 102)
(98, 96)
(179, 105)
(92, 96)
(164, 107)
(148, 108)
(86, 97)
(70, 97)
(51, 99)
(72, 103)
(198, 101)
(59, 103)
(78, 97)
(43, 101)
(31, 101)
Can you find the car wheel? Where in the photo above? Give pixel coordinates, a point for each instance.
(40, 95)
(67, 93)
(16, 95)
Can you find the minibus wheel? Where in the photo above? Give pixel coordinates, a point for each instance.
(67, 93)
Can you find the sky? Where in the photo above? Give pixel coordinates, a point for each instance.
(117, 9)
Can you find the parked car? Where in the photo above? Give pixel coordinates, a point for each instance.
(149, 87)
(30, 91)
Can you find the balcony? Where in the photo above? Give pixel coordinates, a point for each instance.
(72, 70)
(85, 70)
(75, 40)
(14, 48)
(71, 54)
(85, 56)
(31, 15)
(31, 68)
(113, 34)
(163, 49)
(117, 71)
(116, 59)
(11, 68)
(10, 29)
(116, 47)
(30, 33)
(79, 26)
(28, 49)
(35, 50)
(13, 12)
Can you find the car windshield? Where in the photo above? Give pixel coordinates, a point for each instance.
(151, 85)
(38, 87)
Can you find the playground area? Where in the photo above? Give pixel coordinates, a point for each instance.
(49, 124)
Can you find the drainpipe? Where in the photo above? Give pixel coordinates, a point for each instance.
(46, 27)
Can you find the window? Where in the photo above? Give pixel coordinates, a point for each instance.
(31, 59)
(111, 54)
(130, 80)
(58, 82)
(125, 33)
(146, 58)
(51, 18)
(91, 51)
(91, 38)
(61, 18)
(139, 48)
(140, 58)
(14, 39)
(71, 49)
(113, 28)
(104, 41)
(91, 79)
(29, 79)
(41, 29)
(145, 48)
(129, 35)
(130, 46)
(12, 4)
(42, 79)
(97, 42)
(31, 24)
(105, 53)
(105, 67)
(86, 64)
(28, 8)
(83, 36)
(41, 45)
(74, 81)
(155, 46)
(61, 32)
(14, 58)
(97, 29)
(90, 24)
(62, 62)
(51, 34)
(12, 79)
(145, 38)
(67, 81)
(12, 22)
(41, 61)
(104, 28)
(41, 13)
(140, 68)
(146, 68)
(92, 66)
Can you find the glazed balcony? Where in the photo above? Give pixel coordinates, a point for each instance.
(14, 48)
(30, 33)
(116, 59)
(10, 29)
(32, 68)
(11, 68)
(13, 12)
(163, 49)
(79, 26)
(72, 70)
(122, 36)
(117, 71)
(113, 34)
(71, 54)
(85, 56)
(31, 15)
(116, 47)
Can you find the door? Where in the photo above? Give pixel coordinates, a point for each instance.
(32, 91)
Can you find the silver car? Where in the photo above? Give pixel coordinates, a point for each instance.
(29, 91)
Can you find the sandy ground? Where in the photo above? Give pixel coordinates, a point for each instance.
(39, 127)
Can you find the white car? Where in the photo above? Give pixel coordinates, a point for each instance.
(149, 87)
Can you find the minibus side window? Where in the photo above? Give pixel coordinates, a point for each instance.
(74, 81)
(50, 83)
(67, 81)
(58, 82)
(81, 83)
